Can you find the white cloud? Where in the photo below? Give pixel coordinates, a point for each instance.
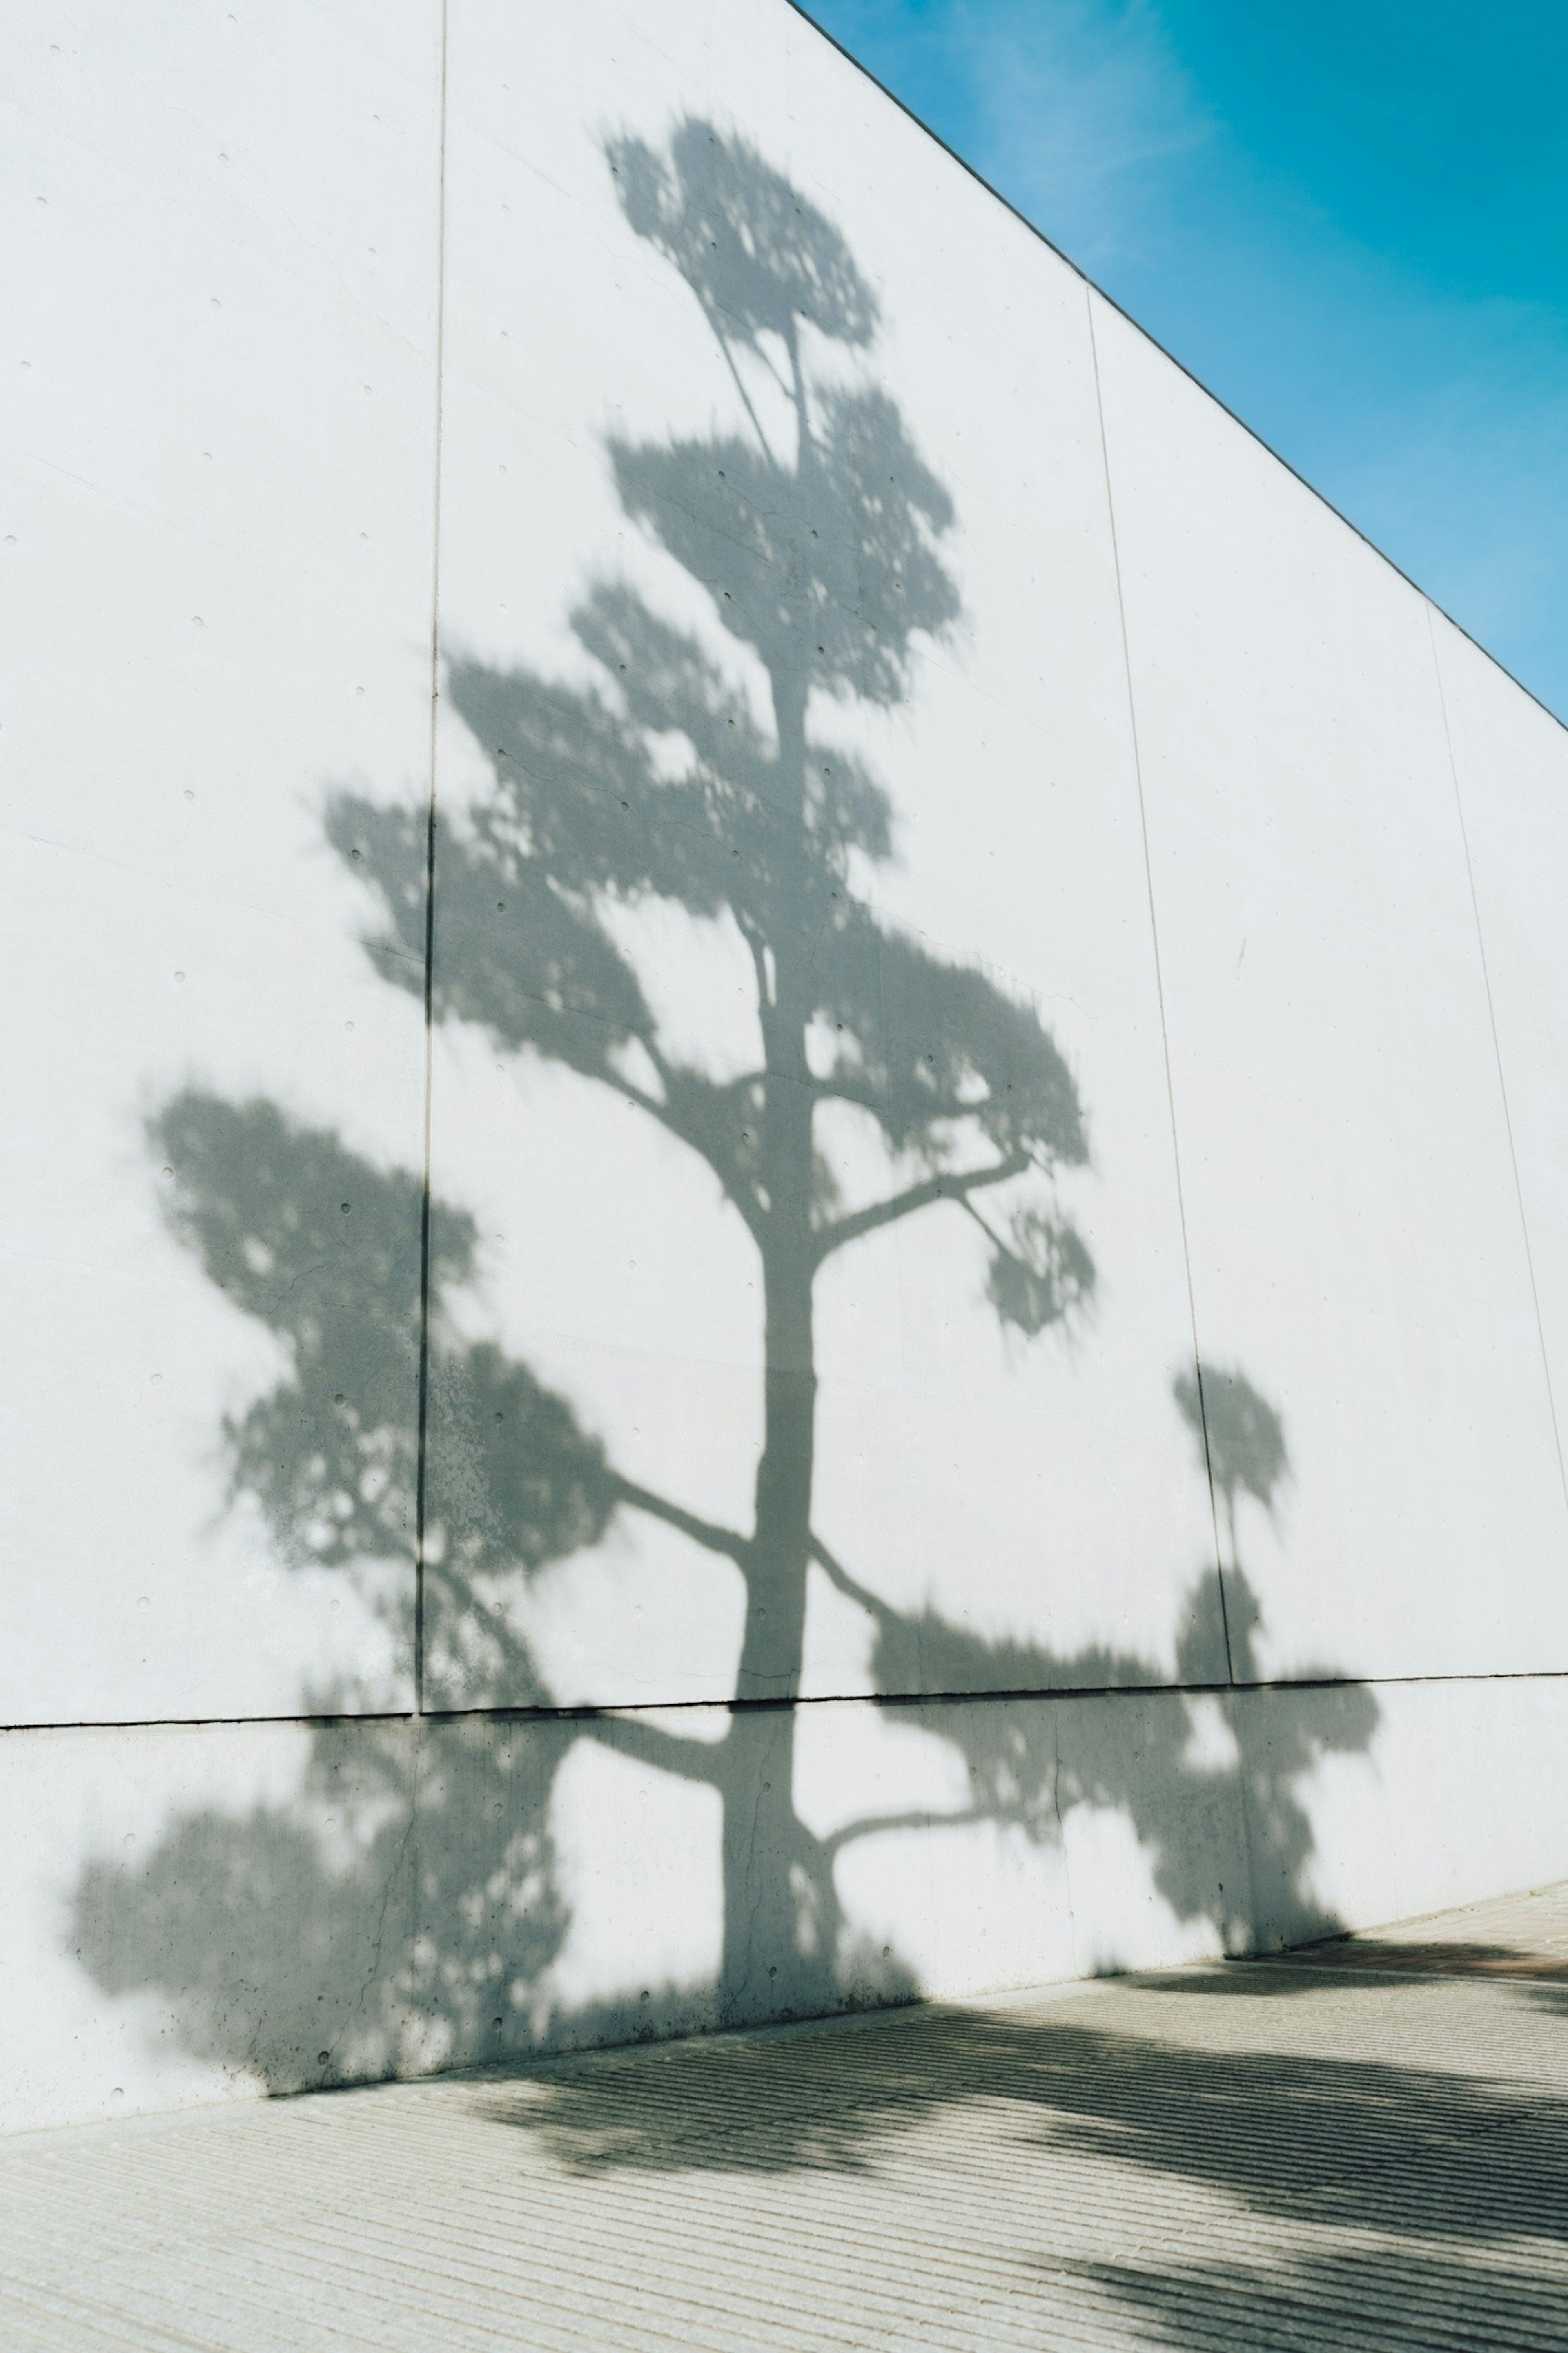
(1083, 110)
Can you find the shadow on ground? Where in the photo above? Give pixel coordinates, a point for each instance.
(1373, 2298)
(1437, 1958)
(1359, 2201)
(1300, 2137)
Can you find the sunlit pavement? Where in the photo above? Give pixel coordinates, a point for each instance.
(1364, 2146)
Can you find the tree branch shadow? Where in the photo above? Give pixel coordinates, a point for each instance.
(418, 1863)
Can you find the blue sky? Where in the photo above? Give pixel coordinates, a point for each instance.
(1349, 218)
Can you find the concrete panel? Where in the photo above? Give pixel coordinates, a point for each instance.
(217, 567)
(1012, 1842)
(962, 684)
(1352, 1210)
(1456, 1796)
(199, 1913)
(1510, 764)
(202, 1912)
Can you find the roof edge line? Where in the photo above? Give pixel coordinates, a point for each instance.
(798, 8)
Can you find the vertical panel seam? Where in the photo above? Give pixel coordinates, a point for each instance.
(1159, 975)
(1497, 1049)
(422, 1409)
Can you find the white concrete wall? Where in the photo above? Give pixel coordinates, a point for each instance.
(1211, 845)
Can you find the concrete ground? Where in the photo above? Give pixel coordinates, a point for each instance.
(1363, 2146)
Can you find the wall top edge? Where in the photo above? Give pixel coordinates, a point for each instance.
(801, 10)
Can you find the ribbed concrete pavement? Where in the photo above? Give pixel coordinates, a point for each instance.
(1264, 2155)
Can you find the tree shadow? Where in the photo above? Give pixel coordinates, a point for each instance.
(1300, 2136)
(697, 774)
(1445, 1957)
(1340, 2197)
(1374, 2296)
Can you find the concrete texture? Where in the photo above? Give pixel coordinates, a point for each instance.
(218, 1912)
(1352, 1212)
(1266, 2155)
(1508, 771)
(786, 1218)
(216, 566)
